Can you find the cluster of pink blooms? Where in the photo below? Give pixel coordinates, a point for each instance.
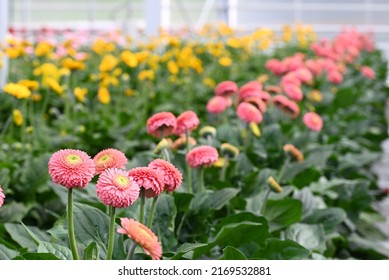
(2, 197)
(115, 186)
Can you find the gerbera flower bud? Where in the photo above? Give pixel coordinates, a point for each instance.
(2, 196)
(186, 121)
(180, 143)
(202, 156)
(163, 144)
(149, 179)
(116, 189)
(71, 168)
(161, 123)
(109, 158)
(255, 130)
(274, 185)
(172, 177)
(208, 131)
(292, 150)
(143, 236)
(229, 150)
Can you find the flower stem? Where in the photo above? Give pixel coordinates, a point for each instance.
(111, 238)
(264, 202)
(201, 189)
(72, 237)
(282, 170)
(224, 169)
(142, 205)
(188, 169)
(152, 211)
(131, 251)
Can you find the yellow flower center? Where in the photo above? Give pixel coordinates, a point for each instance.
(122, 181)
(73, 159)
(104, 158)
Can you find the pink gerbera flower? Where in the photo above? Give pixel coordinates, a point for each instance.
(249, 113)
(313, 121)
(202, 156)
(115, 188)
(250, 89)
(172, 177)
(186, 121)
(149, 179)
(293, 91)
(368, 72)
(226, 88)
(258, 103)
(71, 168)
(143, 236)
(161, 123)
(217, 104)
(2, 197)
(291, 109)
(109, 158)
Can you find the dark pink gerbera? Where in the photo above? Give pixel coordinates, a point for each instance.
(149, 179)
(248, 113)
(188, 120)
(109, 158)
(161, 123)
(115, 188)
(257, 102)
(293, 91)
(226, 88)
(71, 168)
(250, 89)
(172, 177)
(202, 156)
(313, 121)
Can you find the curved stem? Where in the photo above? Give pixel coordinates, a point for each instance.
(264, 202)
(166, 154)
(131, 251)
(152, 211)
(201, 189)
(72, 237)
(142, 205)
(111, 237)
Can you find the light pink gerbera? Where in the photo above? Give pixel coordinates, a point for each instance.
(226, 88)
(257, 102)
(368, 72)
(291, 109)
(2, 197)
(143, 236)
(217, 104)
(335, 77)
(202, 156)
(71, 168)
(161, 123)
(172, 177)
(248, 113)
(149, 179)
(250, 89)
(313, 121)
(293, 91)
(109, 158)
(188, 120)
(115, 188)
(280, 101)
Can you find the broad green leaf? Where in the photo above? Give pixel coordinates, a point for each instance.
(23, 238)
(210, 200)
(330, 218)
(182, 201)
(243, 217)
(311, 237)
(31, 234)
(37, 256)
(277, 249)
(91, 252)
(61, 252)
(282, 213)
(6, 253)
(91, 224)
(187, 247)
(231, 253)
(13, 212)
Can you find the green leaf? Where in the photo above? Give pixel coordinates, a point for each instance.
(31, 234)
(308, 200)
(37, 256)
(205, 201)
(231, 253)
(311, 237)
(61, 252)
(186, 248)
(282, 213)
(91, 224)
(6, 253)
(243, 217)
(19, 234)
(330, 218)
(277, 249)
(91, 252)
(13, 212)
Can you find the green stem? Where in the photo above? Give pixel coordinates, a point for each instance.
(188, 169)
(152, 211)
(132, 250)
(111, 237)
(282, 170)
(201, 189)
(224, 169)
(142, 205)
(72, 237)
(265, 201)
(166, 154)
